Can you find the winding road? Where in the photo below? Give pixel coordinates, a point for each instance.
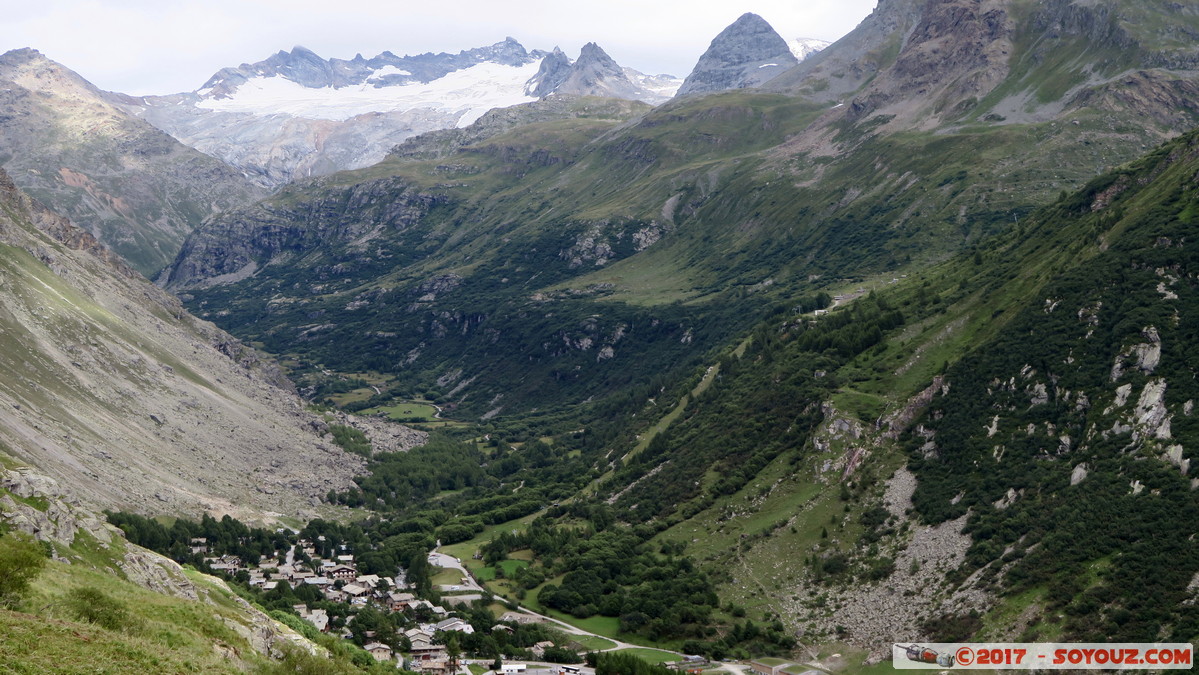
(470, 583)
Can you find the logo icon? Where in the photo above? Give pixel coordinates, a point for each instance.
(925, 655)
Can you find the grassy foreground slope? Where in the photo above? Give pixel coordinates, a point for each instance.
(92, 602)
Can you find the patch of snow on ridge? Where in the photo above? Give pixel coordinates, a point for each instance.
(472, 91)
(802, 48)
(390, 70)
(663, 85)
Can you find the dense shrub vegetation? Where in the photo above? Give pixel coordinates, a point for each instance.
(1062, 475)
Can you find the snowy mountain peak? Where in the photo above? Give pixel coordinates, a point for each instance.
(307, 69)
(296, 114)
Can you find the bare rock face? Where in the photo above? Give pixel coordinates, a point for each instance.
(45, 511)
(236, 245)
(596, 74)
(157, 573)
(554, 70)
(746, 54)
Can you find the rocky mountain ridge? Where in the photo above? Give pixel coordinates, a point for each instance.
(306, 68)
(1000, 62)
(593, 74)
(296, 115)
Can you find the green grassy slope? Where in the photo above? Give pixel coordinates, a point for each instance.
(159, 633)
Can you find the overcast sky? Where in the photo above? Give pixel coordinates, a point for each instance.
(168, 46)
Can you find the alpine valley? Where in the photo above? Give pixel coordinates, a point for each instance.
(508, 356)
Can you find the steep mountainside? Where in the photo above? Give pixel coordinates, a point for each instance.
(552, 72)
(1070, 436)
(694, 217)
(996, 448)
(134, 187)
(882, 351)
(111, 387)
(914, 64)
(746, 54)
(296, 115)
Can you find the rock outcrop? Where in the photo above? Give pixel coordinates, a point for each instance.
(34, 503)
(746, 54)
(235, 246)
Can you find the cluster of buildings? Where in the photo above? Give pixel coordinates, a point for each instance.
(424, 656)
(338, 580)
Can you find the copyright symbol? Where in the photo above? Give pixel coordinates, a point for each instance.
(965, 656)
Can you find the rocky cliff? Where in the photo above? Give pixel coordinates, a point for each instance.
(139, 191)
(552, 72)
